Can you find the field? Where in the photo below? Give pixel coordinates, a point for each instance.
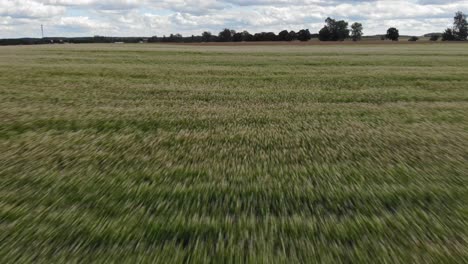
(225, 154)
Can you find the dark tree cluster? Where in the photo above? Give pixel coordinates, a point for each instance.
(74, 40)
(229, 35)
(356, 31)
(434, 37)
(287, 35)
(337, 30)
(304, 35)
(459, 31)
(393, 34)
(265, 36)
(226, 35)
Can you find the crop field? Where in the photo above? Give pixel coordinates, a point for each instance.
(234, 154)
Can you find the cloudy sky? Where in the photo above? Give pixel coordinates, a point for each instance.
(22, 18)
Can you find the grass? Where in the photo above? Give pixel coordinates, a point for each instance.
(153, 153)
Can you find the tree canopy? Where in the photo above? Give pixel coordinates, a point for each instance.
(226, 35)
(356, 31)
(393, 34)
(448, 35)
(207, 36)
(334, 30)
(460, 26)
(304, 35)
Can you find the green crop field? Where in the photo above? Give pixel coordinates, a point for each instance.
(234, 154)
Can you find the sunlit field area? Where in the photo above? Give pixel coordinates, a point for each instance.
(231, 154)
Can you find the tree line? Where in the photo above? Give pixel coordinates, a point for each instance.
(333, 30)
(75, 40)
(229, 35)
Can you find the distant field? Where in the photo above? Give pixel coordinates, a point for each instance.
(268, 154)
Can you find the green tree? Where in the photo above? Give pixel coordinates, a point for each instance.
(342, 31)
(175, 38)
(460, 26)
(304, 35)
(393, 34)
(448, 35)
(292, 35)
(324, 34)
(334, 30)
(283, 35)
(206, 36)
(237, 37)
(434, 38)
(459, 31)
(265, 36)
(246, 36)
(356, 31)
(226, 35)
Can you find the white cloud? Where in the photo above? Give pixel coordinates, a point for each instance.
(98, 4)
(28, 8)
(81, 23)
